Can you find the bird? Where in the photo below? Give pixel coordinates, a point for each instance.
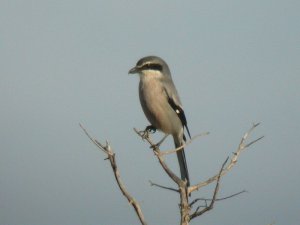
(161, 104)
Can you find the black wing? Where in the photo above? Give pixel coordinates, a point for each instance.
(180, 113)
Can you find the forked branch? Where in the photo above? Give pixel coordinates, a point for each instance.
(183, 190)
(211, 205)
(242, 146)
(182, 185)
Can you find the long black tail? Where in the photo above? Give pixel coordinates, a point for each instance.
(182, 162)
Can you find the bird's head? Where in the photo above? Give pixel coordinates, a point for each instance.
(151, 66)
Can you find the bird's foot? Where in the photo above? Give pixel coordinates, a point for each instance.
(149, 129)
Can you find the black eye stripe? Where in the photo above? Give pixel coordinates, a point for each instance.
(152, 66)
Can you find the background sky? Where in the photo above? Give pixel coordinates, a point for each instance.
(66, 62)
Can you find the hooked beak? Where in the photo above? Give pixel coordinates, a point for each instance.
(133, 70)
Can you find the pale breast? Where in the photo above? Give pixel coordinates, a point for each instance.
(156, 107)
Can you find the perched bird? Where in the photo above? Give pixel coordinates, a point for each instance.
(161, 104)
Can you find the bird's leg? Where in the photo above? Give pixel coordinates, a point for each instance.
(151, 129)
(148, 129)
(160, 142)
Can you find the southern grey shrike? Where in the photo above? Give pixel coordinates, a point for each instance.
(161, 104)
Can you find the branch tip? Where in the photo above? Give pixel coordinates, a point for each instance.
(111, 156)
(242, 146)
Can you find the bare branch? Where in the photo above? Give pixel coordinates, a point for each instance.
(157, 152)
(183, 190)
(98, 144)
(166, 152)
(163, 187)
(111, 156)
(242, 146)
(182, 184)
(252, 142)
(217, 199)
(211, 205)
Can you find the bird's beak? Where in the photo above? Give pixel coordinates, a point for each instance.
(133, 70)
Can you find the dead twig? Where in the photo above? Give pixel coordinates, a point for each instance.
(157, 152)
(112, 158)
(211, 205)
(217, 199)
(242, 146)
(182, 185)
(163, 187)
(166, 152)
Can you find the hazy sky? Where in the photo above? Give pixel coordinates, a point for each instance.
(66, 62)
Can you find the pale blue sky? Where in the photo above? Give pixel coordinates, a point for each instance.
(65, 62)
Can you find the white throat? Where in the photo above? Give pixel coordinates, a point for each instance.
(150, 74)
